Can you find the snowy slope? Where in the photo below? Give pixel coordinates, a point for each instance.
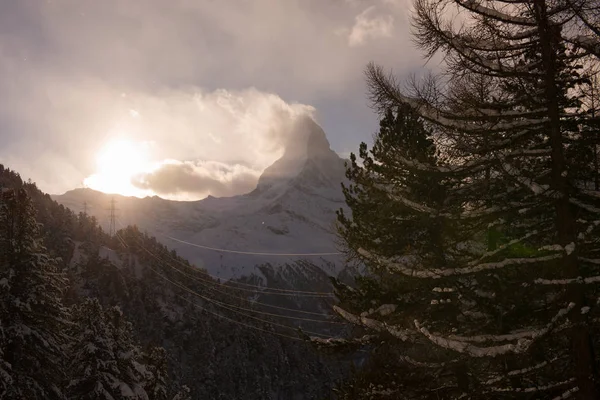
(292, 210)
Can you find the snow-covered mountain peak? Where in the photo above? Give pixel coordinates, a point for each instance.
(291, 212)
(308, 156)
(307, 140)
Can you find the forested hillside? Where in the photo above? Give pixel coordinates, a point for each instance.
(125, 317)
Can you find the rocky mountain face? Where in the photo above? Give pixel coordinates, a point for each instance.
(291, 212)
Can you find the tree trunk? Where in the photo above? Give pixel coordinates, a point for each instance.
(582, 351)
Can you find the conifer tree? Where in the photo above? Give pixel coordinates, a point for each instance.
(156, 379)
(516, 284)
(93, 369)
(32, 316)
(6, 379)
(394, 195)
(183, 394)
(106, 361)
(127, 355)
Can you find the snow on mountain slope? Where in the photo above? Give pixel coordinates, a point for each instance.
(292, 210)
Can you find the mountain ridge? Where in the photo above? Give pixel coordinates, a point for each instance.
(292, 210)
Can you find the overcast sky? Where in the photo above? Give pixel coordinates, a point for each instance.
(208, 85)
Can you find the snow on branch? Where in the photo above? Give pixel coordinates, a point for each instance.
(385, 93)
(353, 319)
(523, 339)
(494, 45)
(522, 371)
(516, 173)
(399, 333)
(416, 363)
(494, 338)
(413, 205)
(416, 165)
(340, 342)
(470, 166)
(375, 325)
(589, 43)
(372, 324)
(551, 247)
(462, 47)
(396, 331)
(502, 143)
(579, 280)
(584, 206)
(436, 273)
(567, 394)
(467, 348)
(528, 152)
(442, 290)
(589, 229)
(522, 35)
(595, 261)
(386, 309)
(535, 388)
(476, 7)
(568, 249)
(478, 213)
(593, 193)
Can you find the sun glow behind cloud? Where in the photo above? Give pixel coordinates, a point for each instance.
(190, 143)
(73, 80)
(117, 163)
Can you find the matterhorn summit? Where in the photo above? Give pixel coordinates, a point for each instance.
(307, 157)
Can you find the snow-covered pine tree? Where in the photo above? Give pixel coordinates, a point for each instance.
(105, 360)
(156, 379)
(395, 193)
(523, 280)
(127, 355)
(32, 316)
(5, 368)
(93, 370)
(183, 394)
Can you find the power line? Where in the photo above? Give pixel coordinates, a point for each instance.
(268, 290)
(200, 280)
(264, 290)
(219, 315)
(274, 291)
(219, 304)
(206, 281)
(122, 241)
(238, 322)
(112, 227)
(286, 293)
(253, 253)
(247, 309)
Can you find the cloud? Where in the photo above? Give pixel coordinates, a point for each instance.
(67, 126)
(247, 126)
(369, 26)
(197, 179)
(231, 136)
(203, 80)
